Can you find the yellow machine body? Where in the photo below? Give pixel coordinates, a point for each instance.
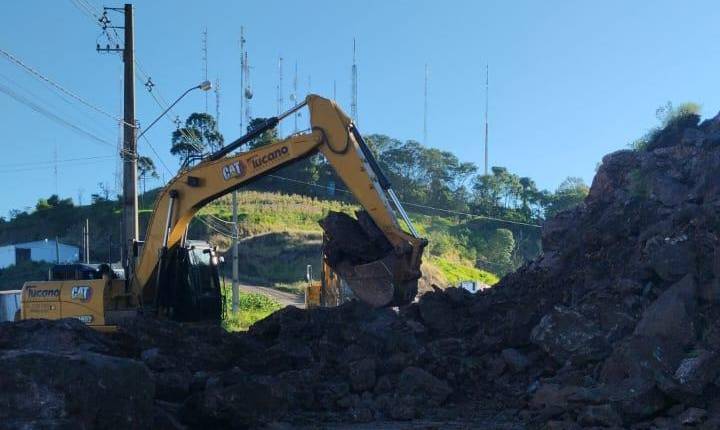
(332, 134)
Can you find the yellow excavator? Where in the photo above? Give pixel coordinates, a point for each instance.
(177, 278)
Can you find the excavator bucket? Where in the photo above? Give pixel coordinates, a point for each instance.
(360, 255)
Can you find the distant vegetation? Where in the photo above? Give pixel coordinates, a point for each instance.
(479, 226)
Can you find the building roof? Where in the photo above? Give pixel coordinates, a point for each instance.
(39, 244)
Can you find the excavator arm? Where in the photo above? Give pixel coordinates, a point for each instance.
(334, 135)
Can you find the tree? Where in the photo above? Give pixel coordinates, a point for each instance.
(199, 134)
(53, 202)
(570, 193)
(266, 137)
(501, 245)
(146, 167)
(423, 175)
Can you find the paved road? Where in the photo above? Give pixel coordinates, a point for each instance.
(285, 298)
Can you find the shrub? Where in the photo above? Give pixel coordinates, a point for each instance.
(668, 116)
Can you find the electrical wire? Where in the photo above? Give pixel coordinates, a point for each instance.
(226, 234)
(67, 160)
(489, 218)
(28, 169)
(87, 118)
(59, 87)
(220, 219)
(158, 156)
(39, 109)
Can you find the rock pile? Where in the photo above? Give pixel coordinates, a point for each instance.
(616, 325)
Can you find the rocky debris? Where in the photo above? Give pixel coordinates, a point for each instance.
(616, 325)
(57, 382)
(354, 241)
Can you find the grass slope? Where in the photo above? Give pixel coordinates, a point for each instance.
(282, 257)
(252, 308)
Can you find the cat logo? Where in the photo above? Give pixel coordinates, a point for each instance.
(81, 292)
(233, 170)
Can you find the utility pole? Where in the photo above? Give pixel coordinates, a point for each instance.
(235, 250)
(128, 154)
(87, 241)
(235, 257)
(130, 199)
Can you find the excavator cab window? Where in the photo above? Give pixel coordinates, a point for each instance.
(203, 270)
(198, 296)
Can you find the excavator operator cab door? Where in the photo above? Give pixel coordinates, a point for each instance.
(197, 295)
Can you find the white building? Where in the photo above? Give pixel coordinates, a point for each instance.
(41, 250)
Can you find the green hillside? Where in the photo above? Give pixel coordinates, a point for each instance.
(282, 236)
(279, 235)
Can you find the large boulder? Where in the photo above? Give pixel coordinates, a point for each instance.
(671, 315)
(81, 390)
(565, 335)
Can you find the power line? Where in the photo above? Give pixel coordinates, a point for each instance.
(67, 160)
(220, 219)
(52, 116)
(215, 229)
(489, 218)
(158, 156)
(59, 87)
(87, 119)
(79, 163)
(413, 204)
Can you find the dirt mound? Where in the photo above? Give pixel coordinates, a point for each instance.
(616, 325)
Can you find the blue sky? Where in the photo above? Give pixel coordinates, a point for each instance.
(569, 81)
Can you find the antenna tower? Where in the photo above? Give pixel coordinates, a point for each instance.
(248, 93)
(280, 94)
(246, 90)
(487, 89)
(425, 108)
(205, 64)
(217, 102)
(353, 102)
(242, 78)
(55, 169)
(294, 95)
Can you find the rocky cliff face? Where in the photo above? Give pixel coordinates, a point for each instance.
(617, 324)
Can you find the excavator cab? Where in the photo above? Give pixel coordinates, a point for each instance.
(188, 286)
